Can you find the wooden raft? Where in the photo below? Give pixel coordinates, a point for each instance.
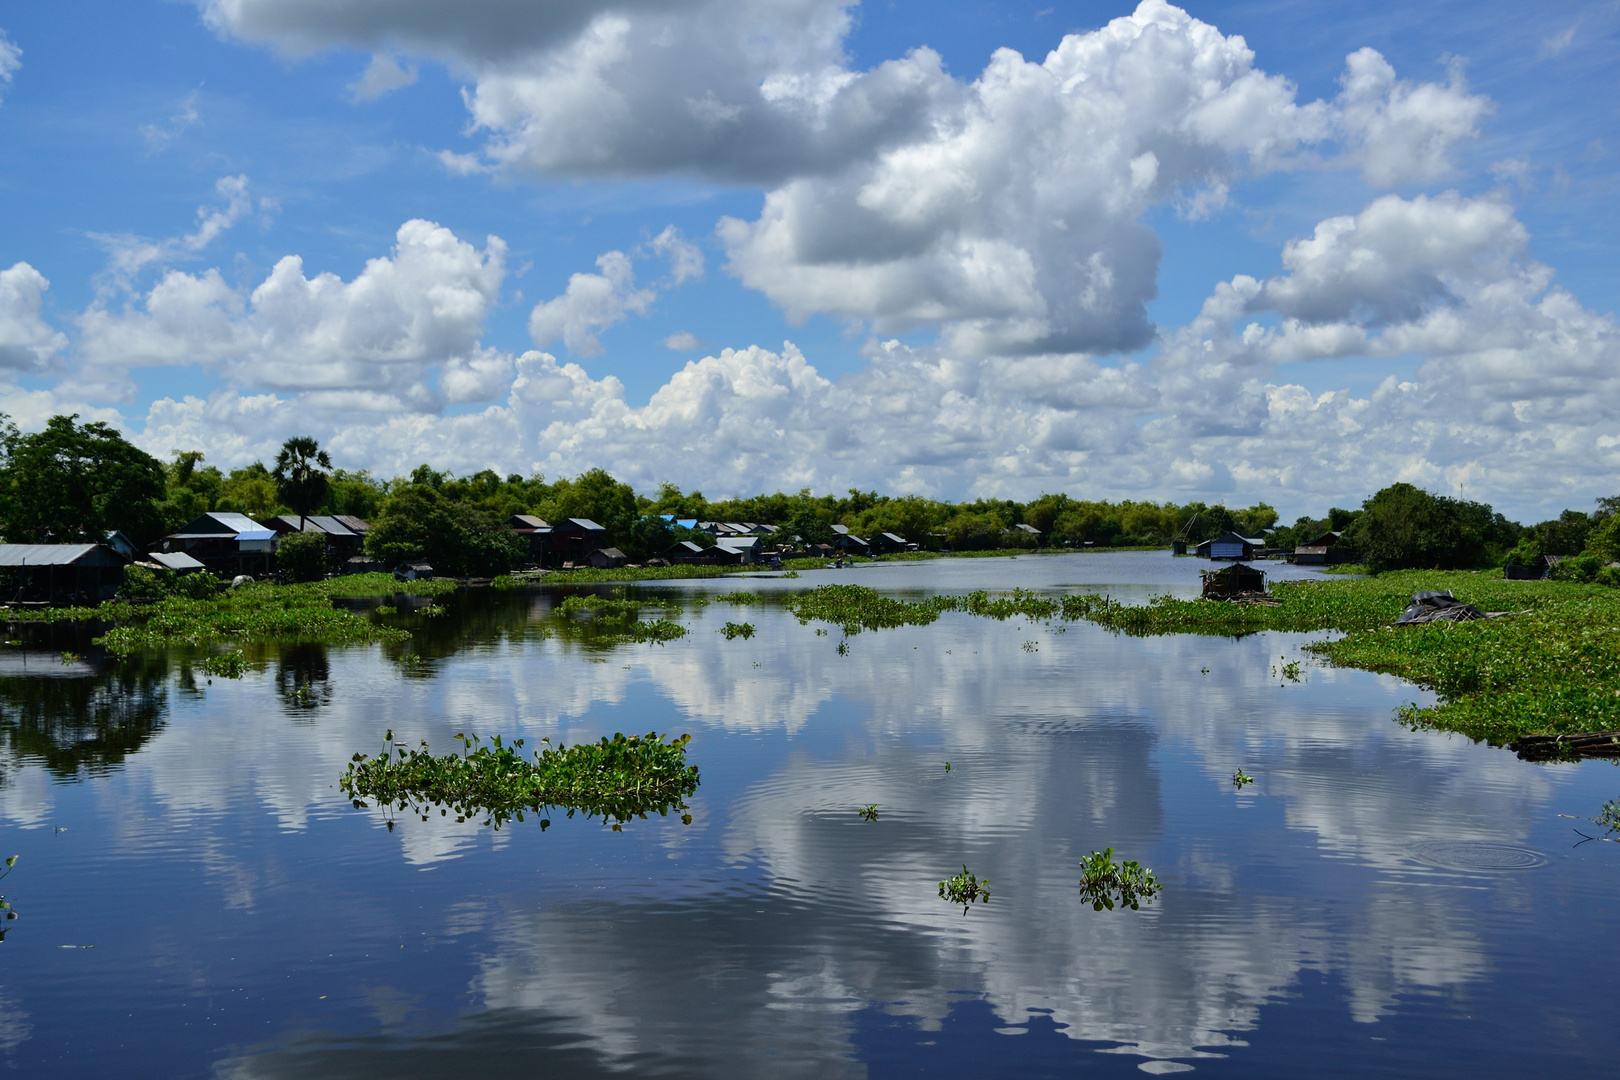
(1581, 744)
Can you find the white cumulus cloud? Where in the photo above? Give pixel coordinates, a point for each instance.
(27, 341)
(593, 302)
(10, 61)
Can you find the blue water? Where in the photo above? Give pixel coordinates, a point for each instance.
(197, 898)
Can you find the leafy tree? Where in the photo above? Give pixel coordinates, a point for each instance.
(300, 475)
(458, 539)
(302, 556)
(598, 497)
(973, 532)
(74, 483)
(1403, 528)
(249, 490)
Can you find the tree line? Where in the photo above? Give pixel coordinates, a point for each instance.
(73, 482)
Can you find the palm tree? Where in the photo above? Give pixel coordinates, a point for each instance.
(300, 476)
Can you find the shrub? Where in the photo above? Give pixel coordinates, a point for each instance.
(146, 583)
(302, 556)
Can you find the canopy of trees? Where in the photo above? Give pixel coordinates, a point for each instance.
(72, 483)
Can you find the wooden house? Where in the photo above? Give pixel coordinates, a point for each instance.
(1234, 580)
(572, 540)
(534, 532)
(1323, 550)
(227, 544)
(607, 558)
(59, 574)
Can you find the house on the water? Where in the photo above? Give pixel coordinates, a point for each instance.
(1229, 545)
(59, 574)
(607, 558)
(227, 544)
(342, 542)
(1234, 580)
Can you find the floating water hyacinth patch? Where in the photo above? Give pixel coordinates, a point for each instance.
(869, 812)
(965, 889)
(1105, 882)
(738, 598)
(617, 779)
(230, 665)
(738, 630)
(5, 906)
(1241, 779)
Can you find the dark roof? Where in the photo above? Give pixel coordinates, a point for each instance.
(527, 521)
(331, 526)
(59, 555)
(612, 553)
(353, 524)
(581, 523)
(1327, 539)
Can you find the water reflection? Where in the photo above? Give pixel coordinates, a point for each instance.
(303, 679)
(76, 720)
(781, 933)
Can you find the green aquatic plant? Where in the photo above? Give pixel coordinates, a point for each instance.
(965, 889)
(5, 905)
(1105, 882)
(617, 779)
(229, 665)
(738, 630)
(432, 611)
(70, 658)
(1031, 646)
(386, 610)
(738, 598)
(947, 766)
(1289, 669)
(606, 620)
(1241, 779)
(869, 812)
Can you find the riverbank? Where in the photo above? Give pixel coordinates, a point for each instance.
(1551, 668)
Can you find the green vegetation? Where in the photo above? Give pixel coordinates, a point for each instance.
(302, 556)
(738, 630)
(1404, 528)
(869, 812)
(5, 906)
(965, 889)
(1241, 779)
(617, 779)
(604, 620)
(1104, 882)
(256, 612)
(1552, 668)
(72, 483)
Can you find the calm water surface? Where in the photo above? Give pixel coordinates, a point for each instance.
(198, 898)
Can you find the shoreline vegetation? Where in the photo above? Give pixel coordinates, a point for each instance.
(1552, 668)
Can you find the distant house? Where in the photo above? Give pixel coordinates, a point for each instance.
(746, 549)
(227, 544)
(1323, 550)
(358, 526)
(685, 552)
(1230, 545)
(848, 543)
(533, 531)
(888, 543)
(60, 573)
(607, 558)
(1028, 530)
(573, 539)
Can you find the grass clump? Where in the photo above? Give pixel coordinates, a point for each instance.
(738, 630)
(615, 619)
(618, 779)
(855, 608)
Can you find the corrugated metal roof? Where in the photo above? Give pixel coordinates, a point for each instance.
(174, 560)
(586, 523)
(530, 521)
(354, 524)
(49, 554)
(256, 534)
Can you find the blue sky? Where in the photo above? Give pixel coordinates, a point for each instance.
(991, 272)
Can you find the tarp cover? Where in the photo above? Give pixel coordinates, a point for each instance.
(1429, 607)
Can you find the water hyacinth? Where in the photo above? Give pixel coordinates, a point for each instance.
(1105, 882)
(617, 779)
(965, 889)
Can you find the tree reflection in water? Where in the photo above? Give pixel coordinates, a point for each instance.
(303, 679)
(84, 724)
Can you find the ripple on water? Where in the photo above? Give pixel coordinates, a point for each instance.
(1477, 856)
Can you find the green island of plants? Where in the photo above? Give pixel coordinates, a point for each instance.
(617, 779)
(1551, 667)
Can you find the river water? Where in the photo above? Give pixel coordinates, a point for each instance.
(198, 898)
